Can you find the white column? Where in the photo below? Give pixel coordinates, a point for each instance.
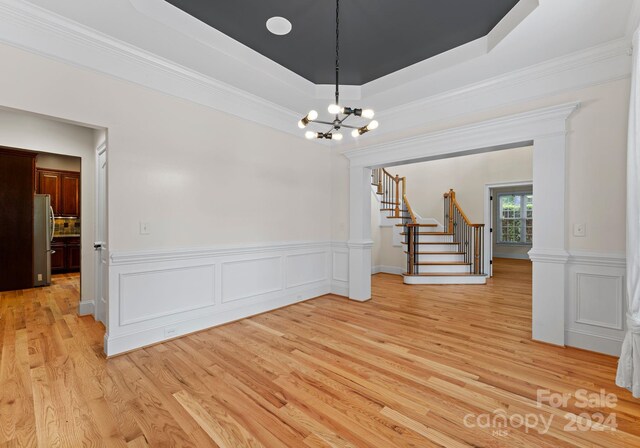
(549, 254)
(360, 242)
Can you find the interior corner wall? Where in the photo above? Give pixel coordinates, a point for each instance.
(252, 199)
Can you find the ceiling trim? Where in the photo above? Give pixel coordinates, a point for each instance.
(56, 36)
(598, 65)
(38, 30)
(173, 17)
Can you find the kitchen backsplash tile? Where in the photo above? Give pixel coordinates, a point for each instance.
(66, 226)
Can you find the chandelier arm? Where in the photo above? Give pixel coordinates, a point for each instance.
(348, 126)
(323, 122)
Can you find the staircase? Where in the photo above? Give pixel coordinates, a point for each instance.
(437, 254)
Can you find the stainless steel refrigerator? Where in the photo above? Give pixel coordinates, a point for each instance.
(43, 225)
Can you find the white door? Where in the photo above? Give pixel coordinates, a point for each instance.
(102, 271)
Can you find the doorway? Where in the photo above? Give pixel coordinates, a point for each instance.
(546, 130)
(512, 242)
(49, 138)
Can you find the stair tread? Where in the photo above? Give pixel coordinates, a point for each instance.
(419, 225)
(437, 253)
(442, 263)
(444, 274)
(430, 242)
(390, 202)
(419, 233)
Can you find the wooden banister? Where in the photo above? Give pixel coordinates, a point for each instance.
(454, 203)
(409, 209)
(470, 235)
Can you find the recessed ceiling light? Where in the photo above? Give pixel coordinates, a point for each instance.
(279, 26)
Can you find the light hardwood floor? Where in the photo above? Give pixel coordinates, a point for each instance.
(416, 366)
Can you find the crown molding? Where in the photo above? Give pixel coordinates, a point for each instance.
(41, 31)
(38, 30)
(590, 67)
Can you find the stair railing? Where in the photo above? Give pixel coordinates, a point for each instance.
(392, 188)
(394, 198)
(469, 235)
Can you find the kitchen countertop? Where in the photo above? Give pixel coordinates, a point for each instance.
(66, 236)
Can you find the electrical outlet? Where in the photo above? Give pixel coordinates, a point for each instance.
(39, 277)
(170, 332)
(144, 228)
(579, 230)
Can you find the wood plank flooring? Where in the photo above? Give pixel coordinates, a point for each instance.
(416, 366)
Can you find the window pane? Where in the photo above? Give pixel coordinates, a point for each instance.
(515, 218)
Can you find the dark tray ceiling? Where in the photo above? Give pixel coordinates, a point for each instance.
(377, 37)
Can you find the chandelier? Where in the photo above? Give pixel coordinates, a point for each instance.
(341, 113)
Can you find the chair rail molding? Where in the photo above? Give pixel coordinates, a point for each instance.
(546, 130)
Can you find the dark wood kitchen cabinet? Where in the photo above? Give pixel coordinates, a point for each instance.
(70, 194)
(48, 182)
(64, 189)
(58, 256)
(73, 256)
(66, 256)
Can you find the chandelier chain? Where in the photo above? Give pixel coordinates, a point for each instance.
(337, 51)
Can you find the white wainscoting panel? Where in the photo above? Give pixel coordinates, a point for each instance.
(159, 295)
(306, 269)
(598, 300)
(340, 269)
(596, 303)
(171, 291)
(249, 278)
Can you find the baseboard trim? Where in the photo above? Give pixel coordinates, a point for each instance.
(340, 289)
(511, 256)
(86, 307)
(381, 269)
(124, 343)
(593, 342)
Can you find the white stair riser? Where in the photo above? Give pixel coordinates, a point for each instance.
(438, 247)
(457, 268)
(435, 238)
(440, 258)
(432, 238)
(446, 280)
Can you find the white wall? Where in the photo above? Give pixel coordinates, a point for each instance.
(467, 175)
(203, 180)
(38, 133)
(198, 176)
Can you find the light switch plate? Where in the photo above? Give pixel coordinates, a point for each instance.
(144, 228)
(579, 230)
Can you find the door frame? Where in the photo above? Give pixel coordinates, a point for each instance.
(101, 283)
(488, 217)
(546, 130)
